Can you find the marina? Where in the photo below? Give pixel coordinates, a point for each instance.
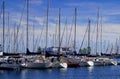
(42, 62)
(49, 39)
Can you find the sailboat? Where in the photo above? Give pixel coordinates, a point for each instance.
(61, 63)
(36, 62)
(10, 62)
(31, 62)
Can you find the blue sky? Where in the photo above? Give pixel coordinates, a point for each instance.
(86, 8)
(109, 10)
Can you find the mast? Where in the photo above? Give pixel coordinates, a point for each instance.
(89, 36)
(3, 24)
(53, 37)
(75, 30)
(101, 34)
(8, 46)
(59, 29)
(56, 32)
(117, 47)
(111, 49)
(27, 38)
(33, 37)
(66, 32)
(47, 26)
(14, 39)
(97, 32)
(108, 47)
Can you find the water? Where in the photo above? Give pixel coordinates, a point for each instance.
(101, 72)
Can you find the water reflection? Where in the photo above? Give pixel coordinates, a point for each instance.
(69, 73)
(28, 73)
(90, 69)
(63, 69)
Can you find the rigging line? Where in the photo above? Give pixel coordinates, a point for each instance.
(36, 42)
(12, 39)
(40, 37)
(107, 47)
(63, 33)
(96, 22)
(84, 37)
(18, 26)
(111, 49)
(70, 31)
(41, 33)
(22, 15)
(21, 18)
(56, 35)
(66, 34)
(21, 37)
(8, 46)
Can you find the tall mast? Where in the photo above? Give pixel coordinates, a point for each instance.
(47, 26)
(27, 38)
(33, 37)
(97, 32)
(56, 32)
(9, 35)
(75, 30)
(14, 39)
(117, 47)
(101, 34)
(3, 24)
(89, 36)
(53, 35)
(59, 29)
(66, 32)
(111, 49)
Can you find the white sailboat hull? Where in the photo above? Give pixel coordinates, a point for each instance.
(59, 65)
(90, 63)
(36, 65)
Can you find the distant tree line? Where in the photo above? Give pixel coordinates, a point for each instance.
(85, 50)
